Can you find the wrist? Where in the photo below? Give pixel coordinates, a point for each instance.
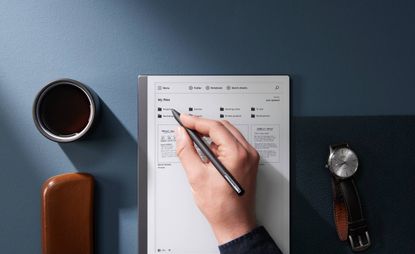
(229, 232)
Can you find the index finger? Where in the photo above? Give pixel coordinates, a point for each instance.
(219, 134)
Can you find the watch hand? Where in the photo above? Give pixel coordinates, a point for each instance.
(339, 164)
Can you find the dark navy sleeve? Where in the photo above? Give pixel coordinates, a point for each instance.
(258, 241)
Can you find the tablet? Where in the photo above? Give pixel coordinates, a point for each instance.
(169, 220)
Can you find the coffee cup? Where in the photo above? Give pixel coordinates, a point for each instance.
(65, 110)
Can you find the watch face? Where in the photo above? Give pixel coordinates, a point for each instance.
(343, 162)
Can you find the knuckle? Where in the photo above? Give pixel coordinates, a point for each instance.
(217, 124)
(180, 149)
(256, 156)
(225, 122)
(194, 178)
(242, 154)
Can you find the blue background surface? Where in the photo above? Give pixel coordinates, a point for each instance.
(344, 58)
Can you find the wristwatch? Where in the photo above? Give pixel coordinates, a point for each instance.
(348, 216)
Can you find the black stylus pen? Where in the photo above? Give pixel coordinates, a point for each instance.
(209, 154)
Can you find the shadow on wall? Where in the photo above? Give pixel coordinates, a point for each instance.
(19, 190)
(109, 153)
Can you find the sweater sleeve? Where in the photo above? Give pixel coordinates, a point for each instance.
(258, 241)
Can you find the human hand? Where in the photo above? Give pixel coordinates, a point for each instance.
(229, 215)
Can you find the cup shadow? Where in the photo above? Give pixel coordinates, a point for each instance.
(109, 153)
(20, 181)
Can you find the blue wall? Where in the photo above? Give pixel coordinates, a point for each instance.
(345, 58)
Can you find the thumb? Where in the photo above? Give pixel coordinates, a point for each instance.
(187, 154)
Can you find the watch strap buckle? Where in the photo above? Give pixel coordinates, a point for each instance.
(360, 242)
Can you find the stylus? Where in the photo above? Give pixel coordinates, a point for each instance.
(209, 154)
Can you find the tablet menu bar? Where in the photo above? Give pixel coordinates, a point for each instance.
(216, 87)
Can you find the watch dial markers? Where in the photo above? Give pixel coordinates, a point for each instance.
(343, 162)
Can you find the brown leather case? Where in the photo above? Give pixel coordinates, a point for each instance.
(67, 214)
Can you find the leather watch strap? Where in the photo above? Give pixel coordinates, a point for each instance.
(348, 215)
(337, 146)
(340, 213)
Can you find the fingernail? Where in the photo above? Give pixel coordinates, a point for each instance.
(179, 134)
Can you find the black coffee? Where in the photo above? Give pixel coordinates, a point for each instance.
(65, 109)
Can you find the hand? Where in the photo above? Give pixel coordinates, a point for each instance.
(229, 215)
